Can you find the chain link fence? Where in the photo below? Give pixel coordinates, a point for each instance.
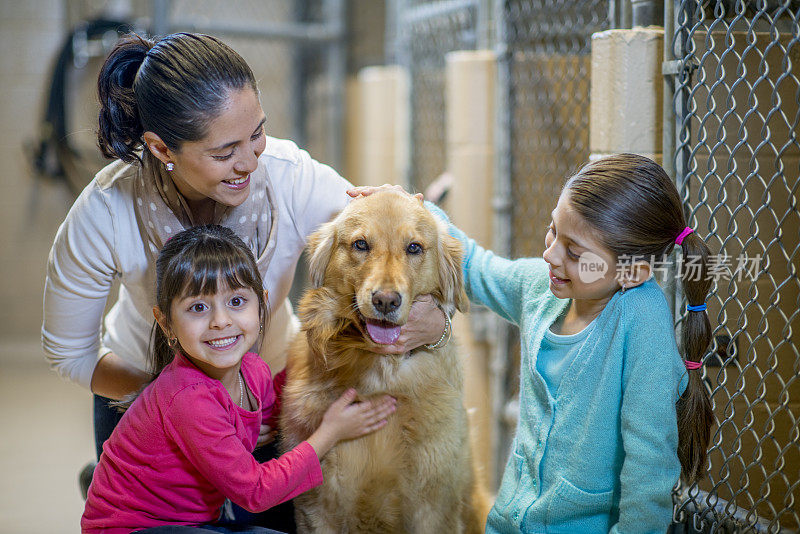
(548, 46)
(425, 31)
(736, 160)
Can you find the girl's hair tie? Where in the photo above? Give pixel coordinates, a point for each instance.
(698, 308)
(691, 366)
(686, 231)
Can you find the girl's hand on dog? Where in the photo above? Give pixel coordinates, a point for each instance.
(365, 191)
(265, 435)
(424, 327)
(346, 419)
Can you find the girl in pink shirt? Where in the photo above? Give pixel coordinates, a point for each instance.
(185, 443)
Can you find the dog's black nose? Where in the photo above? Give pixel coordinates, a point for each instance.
(386, 301)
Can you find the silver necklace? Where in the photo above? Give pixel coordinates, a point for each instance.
(241, 389)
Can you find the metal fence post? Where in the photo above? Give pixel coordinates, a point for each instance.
(160, 23)
(336, 64)
(668, 127)
(647, 12)
(498, 367)
(299, 79)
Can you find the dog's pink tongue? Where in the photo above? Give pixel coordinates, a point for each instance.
(382, 333)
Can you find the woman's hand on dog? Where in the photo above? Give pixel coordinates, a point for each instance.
(426, 321)
(346, 419)
(365, 191)
(424, 327)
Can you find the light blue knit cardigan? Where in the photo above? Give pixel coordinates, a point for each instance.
(602, 455)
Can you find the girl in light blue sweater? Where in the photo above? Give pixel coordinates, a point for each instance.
(608, 417)
(611, 415)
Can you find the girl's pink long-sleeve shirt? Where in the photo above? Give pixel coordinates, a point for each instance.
(184, 446)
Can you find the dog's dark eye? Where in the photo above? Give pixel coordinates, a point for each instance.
(414, 248)
(360, 244)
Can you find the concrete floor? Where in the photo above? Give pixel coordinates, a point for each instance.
(46, 431)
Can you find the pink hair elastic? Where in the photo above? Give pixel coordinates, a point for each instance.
(691, 366)
(682, 235)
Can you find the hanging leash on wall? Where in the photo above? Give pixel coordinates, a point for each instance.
(51, 154)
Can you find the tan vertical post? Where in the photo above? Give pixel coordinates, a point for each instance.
(470, 107)
(352, 131)
(627, 92)
(469, 93)
(378, 128)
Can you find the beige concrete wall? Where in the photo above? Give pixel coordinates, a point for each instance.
(30, 212)
(351, 158)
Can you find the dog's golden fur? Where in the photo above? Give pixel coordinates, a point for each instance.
(415, 474)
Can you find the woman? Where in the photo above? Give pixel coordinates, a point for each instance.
(183, 120)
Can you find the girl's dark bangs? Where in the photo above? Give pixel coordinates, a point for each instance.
(207, 272)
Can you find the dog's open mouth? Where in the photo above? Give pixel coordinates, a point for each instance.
(382, 332)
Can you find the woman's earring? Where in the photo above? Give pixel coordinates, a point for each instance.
(173, 342)
(170, 166)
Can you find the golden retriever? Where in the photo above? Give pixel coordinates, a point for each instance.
(415, 474)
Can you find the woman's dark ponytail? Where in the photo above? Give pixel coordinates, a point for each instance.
(695, 415)
(174, 88)
(120, 126)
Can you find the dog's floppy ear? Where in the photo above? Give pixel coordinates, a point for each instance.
(451, 275)
(320, 248)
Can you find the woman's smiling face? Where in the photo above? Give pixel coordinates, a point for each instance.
(218, 166)
(580, 266)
